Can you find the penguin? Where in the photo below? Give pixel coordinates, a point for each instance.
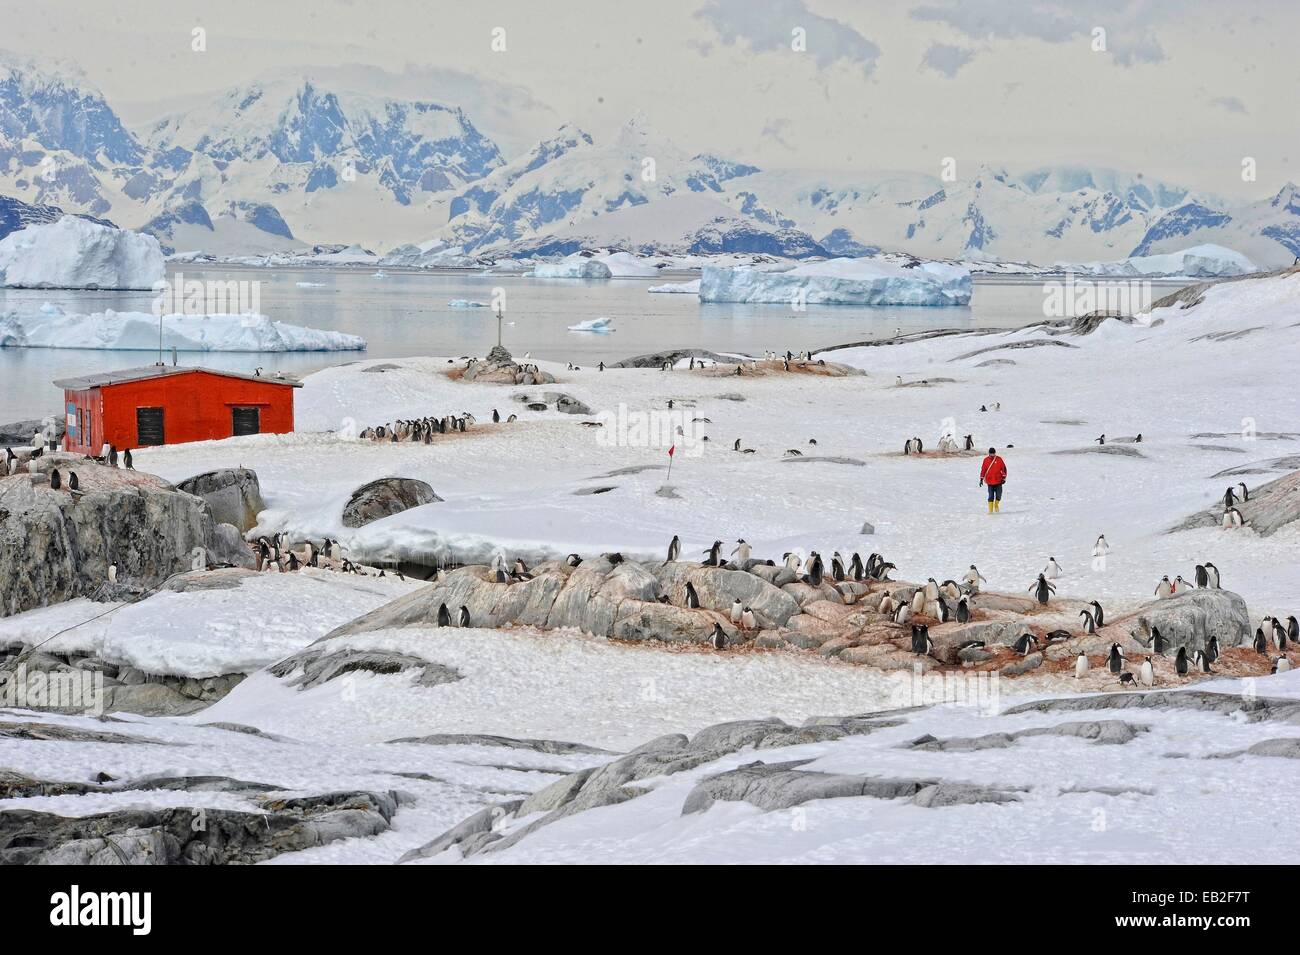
(1089, 624)
(1232, 518)
(918, 602)
(737, 610)
(1281, 665)
(887, 605)
(1101, 439)
(674, 550)
(1245, 493)
(444, 616)
(1212, 649)
(1202, 661)
(1080, 665)
(949, 590)
(294, 563)
(1279, 635)
(1024, 644)
(499, 569)
(1202, 577)
(692, 598)
(883, 569)
(1116, 658)
(1097, 614)
(1147, 673)
(1042, 590)
(714, 553)
(1292, 630)
(1126, 679)
(1179, 584)
(921, 642)
(1229, 499)
(1052, 570)
(856, 570)
(742, 552)
(963, 610)
(462, 618)
(1180, 662)
(736, 446)
(815, 572)
(1164, 588)
(931, 590)
(55, 481)
(747, 619)
(719, 638)
(73, 483)
(792, 562)
(1260, 644)
(903, 614)
(1158, 642)
(1212, 573)
(972, 579)
(837, 567)
(496, 416)
(944, 614)
(1100, 548)
(112, 573)
(573, 560)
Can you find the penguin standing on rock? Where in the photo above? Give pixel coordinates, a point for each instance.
(444, 616)
(737, 610)
(112, 573)
(1089, 624)
(692, 598)
(1212, 650)
(1158, 642)
(921, 642)
(1260, 643)
(1202, 661)
(1147, 673)
(816, 570)
(1097, 614)
(1202, 577)
(1164, 588)
(719, 638)
(1042, 589)
(1281, 665)
(55, 481)
(462, 618)
(1024, 644)
(674, 549)
(747, 619)
(1212, 573)
(1080, 665)
(74, 484)
(1180, 662)
(1116, 658)
(126, 460)
(714, 555)
(963, 609)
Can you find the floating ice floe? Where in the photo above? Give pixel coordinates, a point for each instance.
(573, 267)
(680, 288)
(310, 284)
(465, 303)
(594, 325)
(138, 331)
(75, 253)
(864, 281)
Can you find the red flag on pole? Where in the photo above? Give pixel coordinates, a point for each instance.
(671, 450)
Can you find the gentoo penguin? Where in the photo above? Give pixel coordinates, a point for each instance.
(950, 590)
(1292, 630)
(674, 549)
(1116, 658)
(1202, 577)
(1125, 679)
(1260, 644)
(1180, 662)
(747, 619)
(462, 618)
(856, 570)
(573, 560)
(1232, 518)
(73, 483)
(1164, 588)
(742, 552)
(496, 416)
(1212, 649)
(1100, 548)
(903, 614)
(921, 642)
(1101, 439)
(883, 569)
(963, 609)
(520, 568)
(1281, 665)
(972, 579)
(1229, 498)
(931, 590)
(692, 598)
(1158, 642)
(737, 610)
(1147, 673)
(55, 481)
(1279, 634)
(714, 555)
(1245, 493)
(1202, 661)
(444, 616)
(1180, 585)
(942, 614)
(815, 572)
(719, 639)
(1041, 589)
(1097, 614)
(294, 563)
(1089, 625)
(1052, 570)
(112, 573)
(1080, 664)
(837, 567)
(736, 446)
(1058, 636)
(1213, 574)
(1024, 644)
(918, 601)
(887, 605)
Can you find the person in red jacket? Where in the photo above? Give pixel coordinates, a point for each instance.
(994, 474)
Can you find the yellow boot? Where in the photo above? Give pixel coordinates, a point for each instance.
(997, 506)
(990, 507)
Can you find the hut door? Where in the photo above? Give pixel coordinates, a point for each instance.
(148, 426)
(245, 421)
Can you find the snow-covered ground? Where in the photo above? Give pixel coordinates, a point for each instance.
(138, 331)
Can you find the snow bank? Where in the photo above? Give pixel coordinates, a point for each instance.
(138, 331)
(573, 267)
(594, 325)
(1202, 261)
(681, 288)
(865, 281)
(77, 254)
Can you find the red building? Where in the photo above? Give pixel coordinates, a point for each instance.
(162, 404)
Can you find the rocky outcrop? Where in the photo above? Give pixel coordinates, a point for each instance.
(500, 367)
(545, 400)
(234, 495)
(56, 544)
(1271, 507)
(1189, 618)
(384, 498)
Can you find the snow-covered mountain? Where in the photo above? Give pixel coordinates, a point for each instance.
(290, 162)
(16, 214)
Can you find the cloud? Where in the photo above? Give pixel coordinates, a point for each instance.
(769, 25)
(1230, 103)
(946, 59)
(1130, 39)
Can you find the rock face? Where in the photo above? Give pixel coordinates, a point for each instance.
(55, 545)
(500, 367)
(233, 494)
(1191, 617)
(1271, 507)
(385, 497)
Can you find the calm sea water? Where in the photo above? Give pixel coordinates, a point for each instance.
(406, 313)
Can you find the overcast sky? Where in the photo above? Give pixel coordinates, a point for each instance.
(1184, 90)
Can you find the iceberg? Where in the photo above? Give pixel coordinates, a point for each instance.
(627, 265)
(465, 303)
(679, 288)
(862, 281)
(138, 331)
(593, 325)
(74, 253)
(1199, 261)
(572, 267)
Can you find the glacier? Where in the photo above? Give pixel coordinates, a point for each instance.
(1199, 261)
(861, 281)
(74, 253)
(138, 331)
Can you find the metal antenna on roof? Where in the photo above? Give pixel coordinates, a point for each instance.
(160, 360)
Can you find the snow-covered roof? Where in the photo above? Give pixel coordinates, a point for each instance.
(81, 383)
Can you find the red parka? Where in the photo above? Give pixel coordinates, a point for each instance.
(994, 470)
